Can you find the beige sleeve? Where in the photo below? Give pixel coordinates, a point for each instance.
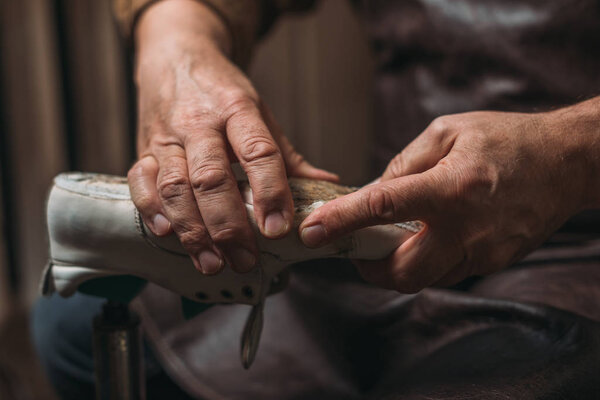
(246, 20)
(242, 18)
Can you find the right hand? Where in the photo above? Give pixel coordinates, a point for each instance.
(198, 113)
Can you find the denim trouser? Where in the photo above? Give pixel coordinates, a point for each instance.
(62, 334)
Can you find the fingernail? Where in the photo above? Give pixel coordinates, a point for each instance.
(242, 259)
(314, 235)
(275, 224)
(161, 225)
(210, 263)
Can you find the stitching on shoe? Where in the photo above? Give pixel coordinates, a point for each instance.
(142, 232)
(90, 185)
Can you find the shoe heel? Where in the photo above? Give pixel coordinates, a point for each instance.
(65, 279)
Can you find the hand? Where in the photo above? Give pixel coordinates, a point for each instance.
(198, 113)
(489, 186)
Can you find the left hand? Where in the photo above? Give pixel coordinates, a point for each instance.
(489, 186)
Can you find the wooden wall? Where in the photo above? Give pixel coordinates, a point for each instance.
(314, 71)
(64, 105)
(32, 137)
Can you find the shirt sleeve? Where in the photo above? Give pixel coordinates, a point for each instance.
(246, 20)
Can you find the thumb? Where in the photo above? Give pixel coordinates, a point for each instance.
(402, 199)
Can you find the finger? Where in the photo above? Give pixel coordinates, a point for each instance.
(218, 199)
(422, 153)
(295, 163)
(402, 199)
(297, 166)
(142, 185)
(419, 262)
(456, 275)
(180, 206)
(260, 157)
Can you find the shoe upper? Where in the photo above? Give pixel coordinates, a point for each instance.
(95, 231)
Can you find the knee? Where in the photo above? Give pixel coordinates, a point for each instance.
(62, 336)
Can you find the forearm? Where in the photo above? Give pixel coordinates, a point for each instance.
(176, 26)
(579, 128)
(243, 20)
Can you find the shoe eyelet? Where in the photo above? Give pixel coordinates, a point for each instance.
(201, 296)
(247, 291)
(226, 293)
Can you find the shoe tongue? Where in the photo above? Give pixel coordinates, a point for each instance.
(192, 308)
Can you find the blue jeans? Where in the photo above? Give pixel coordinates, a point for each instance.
(62, 334)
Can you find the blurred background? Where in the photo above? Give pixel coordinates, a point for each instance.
(66, 103)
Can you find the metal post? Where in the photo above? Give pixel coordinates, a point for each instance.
(118, 357)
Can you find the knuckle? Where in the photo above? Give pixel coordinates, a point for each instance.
(135, 172)
(238, 101)
(189, 118)
(440, 125)
(256, 149)
(397, 165)
(472, 184)
(226, 233)
(143, 167)
(172, 185)
(380, 203)
(208, 178)
(272, 191)
(143, 201)
(192, 239)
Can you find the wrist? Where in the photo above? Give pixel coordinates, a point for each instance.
(171, 25)
(578, 131)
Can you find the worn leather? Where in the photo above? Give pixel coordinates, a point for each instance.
(530, 332)
(94, 231)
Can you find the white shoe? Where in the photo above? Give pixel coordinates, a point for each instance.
(95, 231)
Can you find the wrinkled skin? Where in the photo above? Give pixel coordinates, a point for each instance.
(198, 113)
(489, 186)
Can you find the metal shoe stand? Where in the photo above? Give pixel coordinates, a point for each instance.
(118, 356)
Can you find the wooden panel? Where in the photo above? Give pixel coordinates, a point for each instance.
(345, 92)
(35, 138)
(315, 72)
(97, 87)
(98, 109)
(6, 293)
